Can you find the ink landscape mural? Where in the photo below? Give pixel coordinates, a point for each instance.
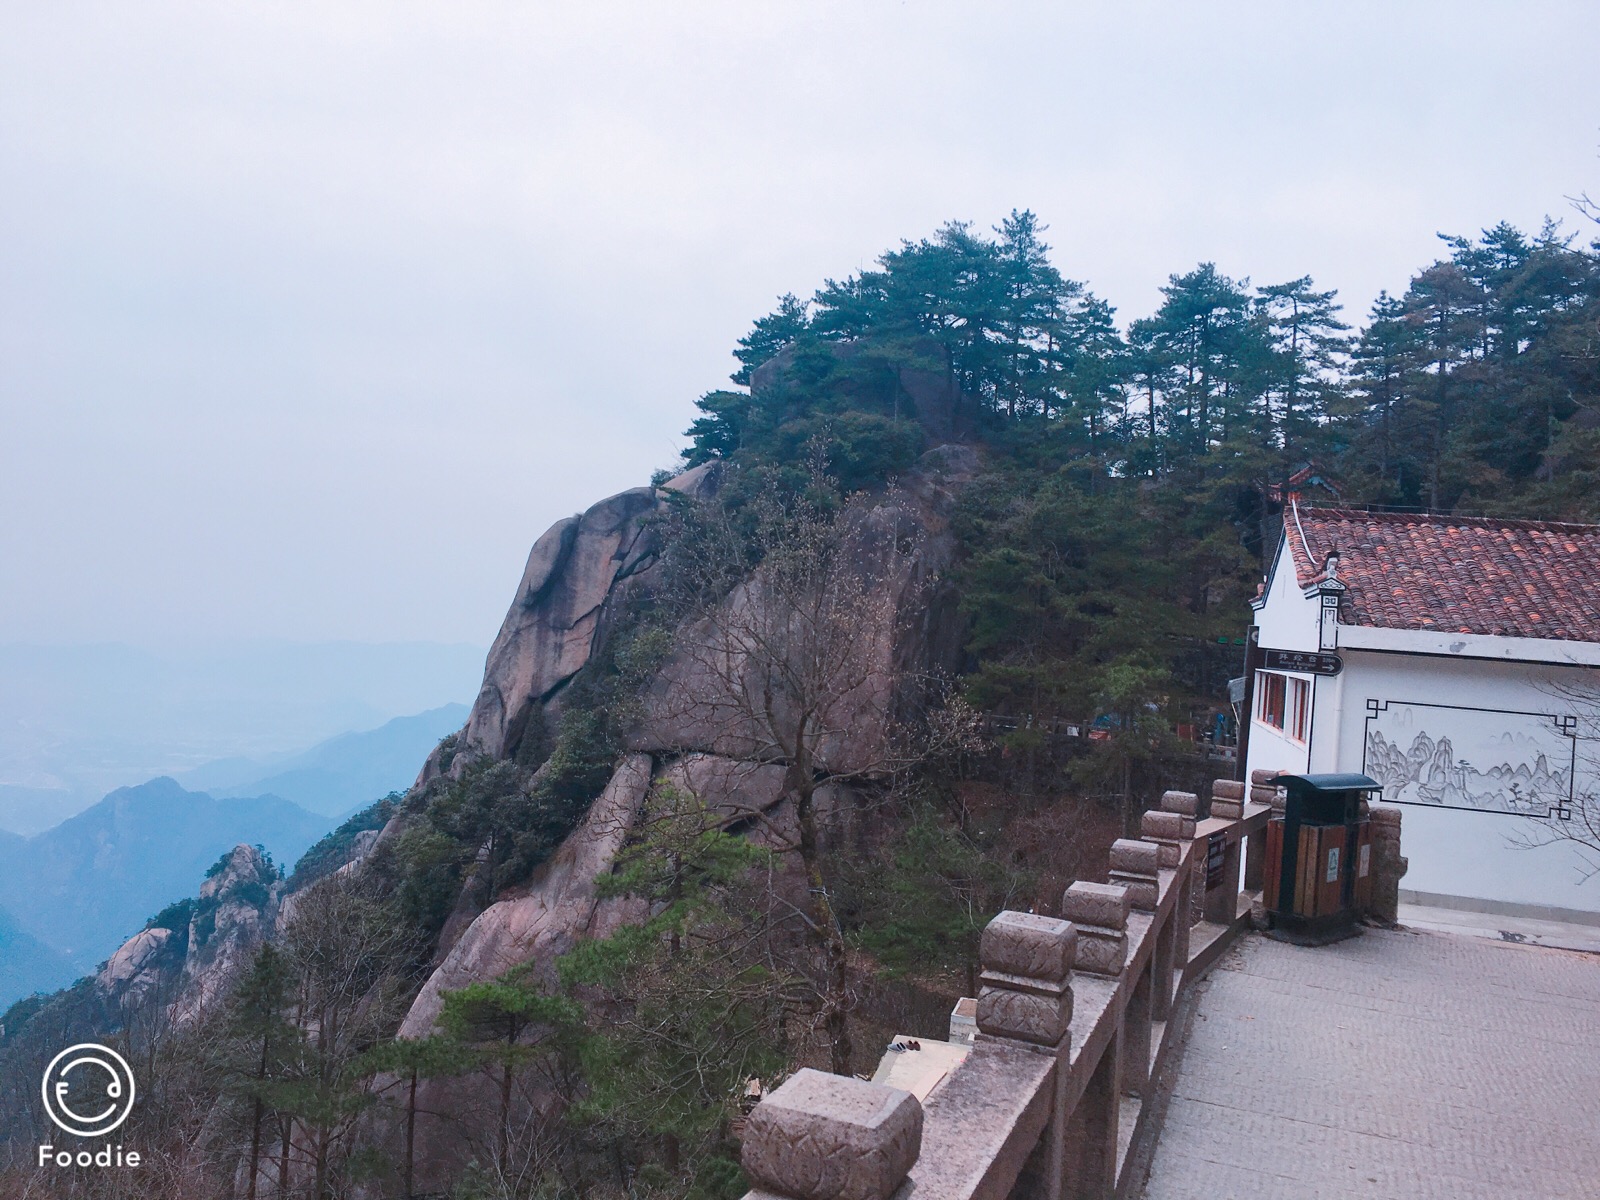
(1510, 762)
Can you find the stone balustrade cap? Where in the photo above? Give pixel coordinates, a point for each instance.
(1186, 803)
(1227, 789)
(1103, 904)
(1264, 776)
(830, 1137)
(1172, 826)
(1029, 945)
(1135, 858)
(1384, 815)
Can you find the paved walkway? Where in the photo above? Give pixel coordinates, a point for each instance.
(1394, 1065)
(1527, 930)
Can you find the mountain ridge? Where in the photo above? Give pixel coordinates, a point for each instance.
(84, 886)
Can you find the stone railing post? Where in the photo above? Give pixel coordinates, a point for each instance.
(1172, 832)
(1187, 804)
(1227, 799)
(1025, 999)
(1026, 986)
(1387, 864)
(1136, 866)
(1099, 914)
(829, 1137)
(1168, 830)
(1089, 1138)
(1262, 788)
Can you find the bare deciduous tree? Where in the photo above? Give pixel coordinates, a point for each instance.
(1579, 828)
(799, 663)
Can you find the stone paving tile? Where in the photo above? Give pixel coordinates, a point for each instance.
(1394, 1065)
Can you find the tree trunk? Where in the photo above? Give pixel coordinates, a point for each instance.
(283, 1157)
(505, 1111)
(411, 1135)
(836, 985)
(320, 1191)
(255, 1127)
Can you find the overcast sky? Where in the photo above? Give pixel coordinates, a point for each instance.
(314, 316)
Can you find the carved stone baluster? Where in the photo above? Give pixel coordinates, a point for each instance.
(1136, 866)
(1026, 992)
(1172, 832)
(1099, 914)
(1227, 799)
(1026, 1000)
(829, 1137)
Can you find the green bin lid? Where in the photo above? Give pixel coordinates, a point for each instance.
(1348, 781)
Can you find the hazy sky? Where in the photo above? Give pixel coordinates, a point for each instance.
(314, 316)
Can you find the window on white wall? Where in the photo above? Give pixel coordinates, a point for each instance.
(1299, 727)
(1270, 697)
(1284, 703)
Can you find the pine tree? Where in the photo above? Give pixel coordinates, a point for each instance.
(413, 1060)
(256, 1018)
(509, 1022)
(1308, 345)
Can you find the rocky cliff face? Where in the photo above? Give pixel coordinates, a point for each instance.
(189, 970)
(579, 576)
(236, 911)
(147, 965)
(577, 580)
(546, 916)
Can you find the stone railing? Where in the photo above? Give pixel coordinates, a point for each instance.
(1072, 1028)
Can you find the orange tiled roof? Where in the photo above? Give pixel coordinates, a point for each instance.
(1536, 579)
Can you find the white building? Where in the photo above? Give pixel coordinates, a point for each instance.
(1466, 653)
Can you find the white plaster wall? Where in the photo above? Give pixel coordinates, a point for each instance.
(1454, 851)
(1287, 620)
(1272, 749)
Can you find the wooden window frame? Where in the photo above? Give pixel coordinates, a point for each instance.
(1272, 691)
(1298, 710)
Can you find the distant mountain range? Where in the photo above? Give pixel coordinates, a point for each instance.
(69, 896)
(77, 721)
(343, 773)
(85, 886)
(27, 965)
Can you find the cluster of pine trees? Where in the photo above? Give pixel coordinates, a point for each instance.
(1475, 388)
(1133, 473)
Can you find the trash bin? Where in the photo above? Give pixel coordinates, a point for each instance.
(1318, 871)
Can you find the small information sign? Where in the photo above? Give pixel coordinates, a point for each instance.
(1216, 859)
(1302, 660)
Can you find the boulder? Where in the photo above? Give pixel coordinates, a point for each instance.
(142, 966)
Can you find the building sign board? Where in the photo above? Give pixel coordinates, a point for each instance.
(1216, 859)
(1302, 660)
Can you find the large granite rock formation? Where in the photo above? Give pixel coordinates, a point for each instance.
(578, 576)
(236, 911)
(142, 968)
(710, 698)
(546, 916)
